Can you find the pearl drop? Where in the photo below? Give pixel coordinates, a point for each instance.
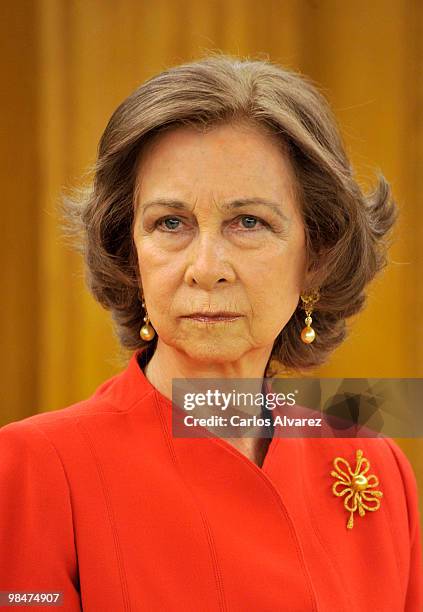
(147, 332)
(308, 335)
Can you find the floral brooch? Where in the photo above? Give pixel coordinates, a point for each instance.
(358, 487)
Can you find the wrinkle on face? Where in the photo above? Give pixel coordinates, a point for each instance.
(210, 260)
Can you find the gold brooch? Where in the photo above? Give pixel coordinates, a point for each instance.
(357, 485)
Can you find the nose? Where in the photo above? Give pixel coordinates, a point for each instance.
(208, 262)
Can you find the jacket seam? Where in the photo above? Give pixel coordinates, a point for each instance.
(333, 563)
(118, 552)
(411, 528)
(209, 536)
(408, 517)
(282, 507)
(78, 417)
(56, 452)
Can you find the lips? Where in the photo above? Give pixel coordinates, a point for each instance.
(213, 316)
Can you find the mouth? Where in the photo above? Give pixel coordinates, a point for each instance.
(213, 317)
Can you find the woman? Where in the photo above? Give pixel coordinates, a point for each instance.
(223, 211)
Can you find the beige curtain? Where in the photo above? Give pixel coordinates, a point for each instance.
(66, 64)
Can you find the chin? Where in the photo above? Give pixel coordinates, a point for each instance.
(217, 351)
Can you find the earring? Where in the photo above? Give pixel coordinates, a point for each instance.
(308, 334)
(147, 331)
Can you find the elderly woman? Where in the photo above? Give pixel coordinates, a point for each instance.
(227, 235)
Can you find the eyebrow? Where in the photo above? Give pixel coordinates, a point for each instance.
(234, 204)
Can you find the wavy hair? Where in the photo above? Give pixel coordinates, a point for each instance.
(347, 231)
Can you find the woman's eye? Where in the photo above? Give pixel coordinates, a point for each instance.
(170, 223)
(249, 222)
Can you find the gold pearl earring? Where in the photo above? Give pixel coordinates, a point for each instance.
(308, 334)
(147, 331)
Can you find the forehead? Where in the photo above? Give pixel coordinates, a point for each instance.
(177, 143)
(223, 158)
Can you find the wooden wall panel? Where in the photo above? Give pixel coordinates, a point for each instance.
(362, 55)
(20, 202)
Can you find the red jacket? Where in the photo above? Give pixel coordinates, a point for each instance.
(100, 501)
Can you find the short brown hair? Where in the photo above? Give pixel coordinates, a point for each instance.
(346, 229)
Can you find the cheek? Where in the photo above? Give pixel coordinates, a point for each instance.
(280, 271)
(275, 285)
(160, 277)
(149, 256)
(155, 267)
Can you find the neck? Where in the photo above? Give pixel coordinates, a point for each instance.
(168, 362)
